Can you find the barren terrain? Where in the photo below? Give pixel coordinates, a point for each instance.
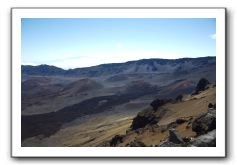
(89, 106)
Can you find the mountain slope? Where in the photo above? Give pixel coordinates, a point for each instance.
(141, 66)
(154, 124)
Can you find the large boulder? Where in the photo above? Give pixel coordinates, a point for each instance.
(204, 123)
(202, 85)
(143, 119)
(149, 116)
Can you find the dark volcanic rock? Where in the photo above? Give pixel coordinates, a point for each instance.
(174, 137)
(149, 116)
(116, 140)
(141, 120)
(157, 103)
(204, 123)
(202, 85)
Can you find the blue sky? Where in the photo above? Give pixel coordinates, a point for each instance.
(82, 42)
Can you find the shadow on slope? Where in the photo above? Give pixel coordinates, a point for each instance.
(49, 123)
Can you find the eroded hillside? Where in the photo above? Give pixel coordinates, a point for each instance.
(172, 123)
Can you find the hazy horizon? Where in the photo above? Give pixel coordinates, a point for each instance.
(114, 62)
(84, 42)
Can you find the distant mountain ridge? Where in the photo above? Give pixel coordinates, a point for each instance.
(139, 66)
(41, 70)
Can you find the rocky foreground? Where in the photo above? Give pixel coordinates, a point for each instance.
(189, 121)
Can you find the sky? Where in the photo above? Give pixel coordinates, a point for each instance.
(82, 42)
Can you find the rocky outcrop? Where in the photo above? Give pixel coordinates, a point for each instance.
(205, 128)
(202, 85)
(181, 131)
(205, 123)
(149, 116)
(143, 119)
(157, 103)
(206, 140)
